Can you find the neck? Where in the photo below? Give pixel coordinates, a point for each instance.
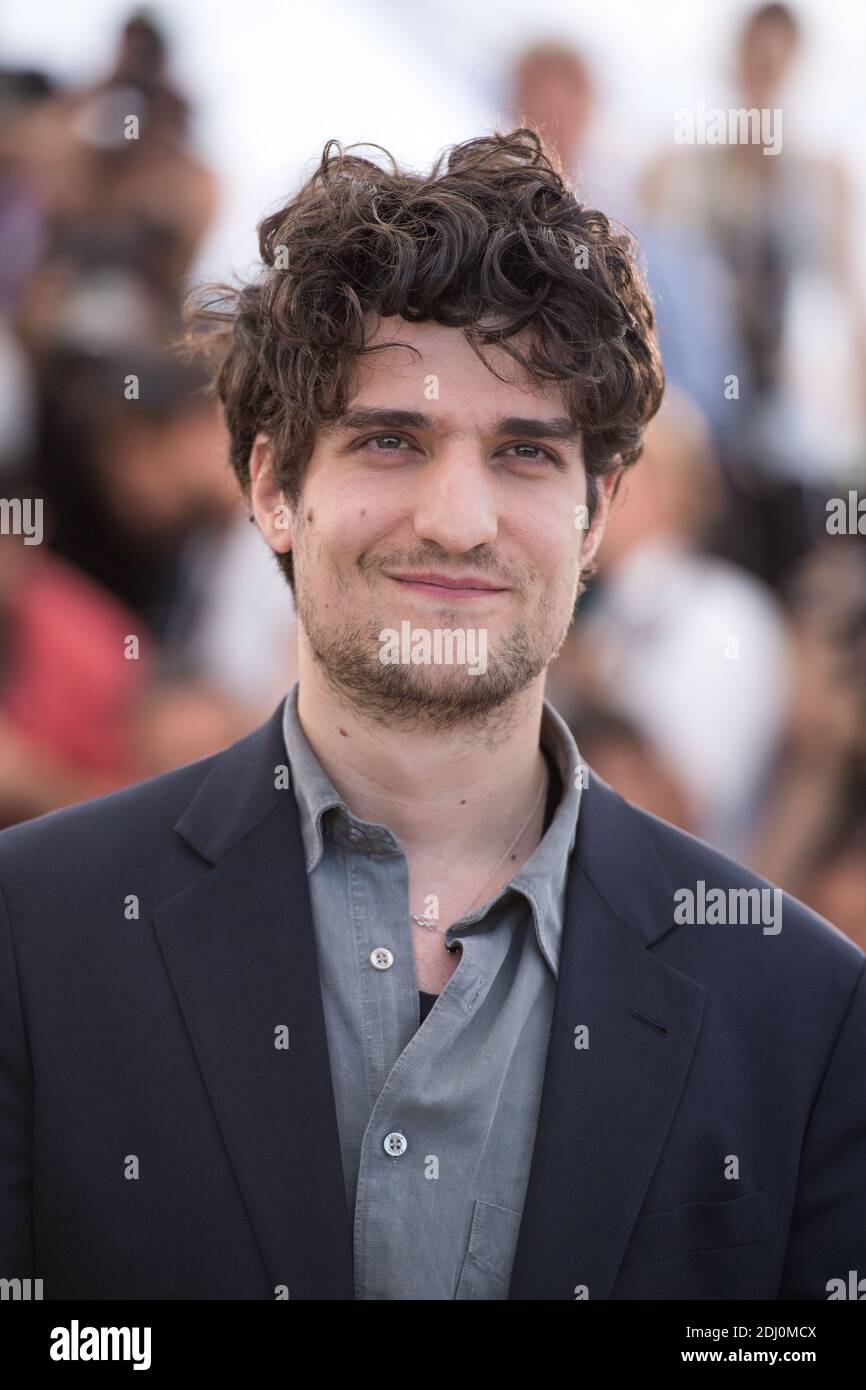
(463, 790)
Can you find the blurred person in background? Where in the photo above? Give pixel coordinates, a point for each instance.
(555, 92)
(130, 454)
(21, 211)
(618, 751)
(111, 167)
(834, 883)
(810, 834)
(102, 209)
(778, 228)
(688, 647)
(19, 87)
(147, 507)
(67, 684)
(146, 540)
(67, 687)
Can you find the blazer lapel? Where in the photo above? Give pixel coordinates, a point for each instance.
(239, 947)
(606, 1107)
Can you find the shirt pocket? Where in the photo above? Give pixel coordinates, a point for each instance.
(486, 1271)
(704, 1226)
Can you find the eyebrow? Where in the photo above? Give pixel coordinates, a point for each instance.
(560, 427)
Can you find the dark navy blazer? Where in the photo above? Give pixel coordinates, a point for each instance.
(142, 1040)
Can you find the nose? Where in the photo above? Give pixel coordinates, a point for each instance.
(455, 503)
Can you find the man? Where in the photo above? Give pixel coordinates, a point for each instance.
(217, 1078)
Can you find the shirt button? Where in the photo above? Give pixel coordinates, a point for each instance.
(395, 1144)
(381, 958)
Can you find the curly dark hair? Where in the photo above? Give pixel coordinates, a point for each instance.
(493, 241)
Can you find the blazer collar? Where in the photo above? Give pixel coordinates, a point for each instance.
(240, 949)
(239, 791)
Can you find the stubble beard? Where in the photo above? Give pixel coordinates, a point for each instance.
(432, 697)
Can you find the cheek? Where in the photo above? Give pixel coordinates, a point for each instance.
(338, 532)
(552, 544)
(359, 519)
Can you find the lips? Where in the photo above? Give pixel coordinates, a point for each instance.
(446, 584)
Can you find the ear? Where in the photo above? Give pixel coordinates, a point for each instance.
(605, 491)
(271, 511)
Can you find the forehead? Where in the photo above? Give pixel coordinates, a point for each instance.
(444, 371)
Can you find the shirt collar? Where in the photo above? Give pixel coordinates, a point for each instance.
(542, 880)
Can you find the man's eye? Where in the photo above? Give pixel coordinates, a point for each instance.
(536, 454)
(379, 438)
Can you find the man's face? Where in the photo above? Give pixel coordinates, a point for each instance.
(444, 499)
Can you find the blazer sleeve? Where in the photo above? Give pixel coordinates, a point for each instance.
(16, 1118)
(828, 1227)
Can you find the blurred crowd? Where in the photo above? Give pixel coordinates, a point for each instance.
(151, 626)
(715, 672)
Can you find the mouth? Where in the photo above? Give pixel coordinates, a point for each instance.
(445, 586)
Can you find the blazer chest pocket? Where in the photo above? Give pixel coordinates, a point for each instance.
(704, 1226)
(486, 1271)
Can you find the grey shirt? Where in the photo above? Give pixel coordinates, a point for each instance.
(437, 1123)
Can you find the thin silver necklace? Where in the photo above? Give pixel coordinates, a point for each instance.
(429, 923)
